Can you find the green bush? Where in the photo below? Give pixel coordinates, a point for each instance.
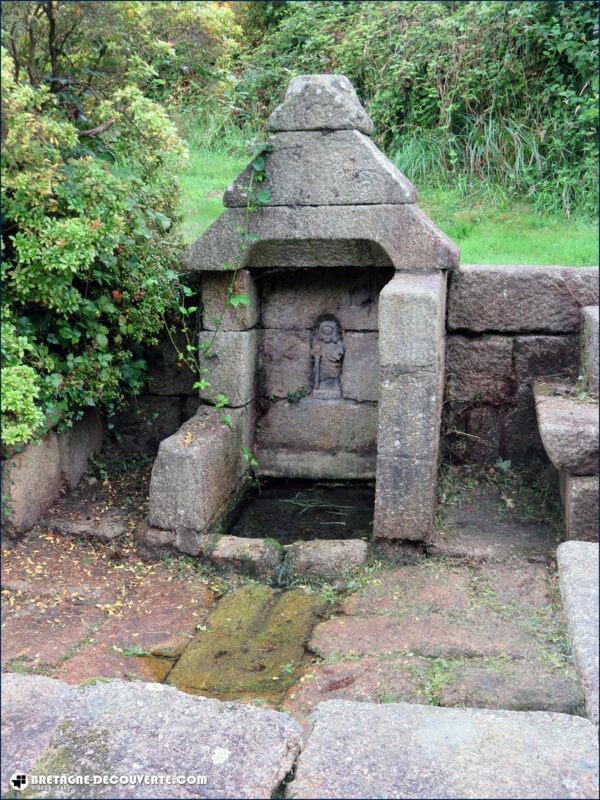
(90, 252)
(479, 94)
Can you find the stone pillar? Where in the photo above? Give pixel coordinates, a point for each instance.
(411, 356)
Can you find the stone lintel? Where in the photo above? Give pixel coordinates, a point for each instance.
(323, 236)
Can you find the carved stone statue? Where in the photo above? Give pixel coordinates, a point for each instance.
(327, 353)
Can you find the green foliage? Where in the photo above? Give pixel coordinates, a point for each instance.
(477, 93)
(21, 418)
(171, 51)
(90, 253)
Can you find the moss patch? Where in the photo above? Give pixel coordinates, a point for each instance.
(254, 645)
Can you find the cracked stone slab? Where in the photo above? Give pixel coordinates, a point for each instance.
(122, 728)
(578, 576)
(323, 236)
(317, 102)
(320, 168)
(400, 750)
(569, 429)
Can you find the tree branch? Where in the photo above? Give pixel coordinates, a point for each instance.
(99, 129)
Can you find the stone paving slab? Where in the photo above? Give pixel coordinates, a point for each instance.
(160, 616)
(473, 534)
(519, 686)
(480, 527)
(476, 683)
(438, 586)
(47, 565)
(44, 636)
(360, 750)
(123, 728)
(578, 574)
(433, 635)
(366, 679)
(430, 585)
(523, 584)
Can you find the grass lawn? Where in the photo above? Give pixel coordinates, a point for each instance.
(484, 234)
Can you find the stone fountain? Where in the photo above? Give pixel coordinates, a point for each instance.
(334, 366)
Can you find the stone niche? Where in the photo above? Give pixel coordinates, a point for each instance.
(334, 366)
(318, 372)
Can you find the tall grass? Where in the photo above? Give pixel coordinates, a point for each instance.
(498, 160)
(211, 129)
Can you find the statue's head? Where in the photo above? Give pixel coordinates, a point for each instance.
(329, 331)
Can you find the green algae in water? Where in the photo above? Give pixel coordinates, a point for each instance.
(254, 646)
(293, 510)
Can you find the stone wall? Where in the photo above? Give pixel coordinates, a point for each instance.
(507, 326)
(168, 401)
(32, 479)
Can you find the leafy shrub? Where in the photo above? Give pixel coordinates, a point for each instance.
(475, 93)
(90, 252)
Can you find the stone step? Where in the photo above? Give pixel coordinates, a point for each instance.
(402, 750)
(568, 427)
(589, 347)
(119, 728)
(481, 528)
(578, 576)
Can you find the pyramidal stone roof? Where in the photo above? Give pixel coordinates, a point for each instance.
(335, 199)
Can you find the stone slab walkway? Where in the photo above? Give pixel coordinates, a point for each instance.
(353, 750)
(578, 572)
(364, 750)
(79, 610)
(487, 635)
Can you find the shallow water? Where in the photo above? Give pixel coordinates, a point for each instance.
(289, 510)
(253, 648)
